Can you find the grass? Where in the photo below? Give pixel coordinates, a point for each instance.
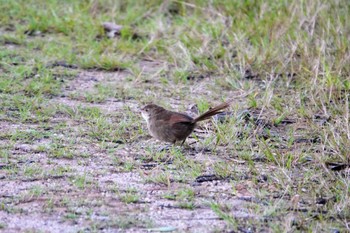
(70, 126)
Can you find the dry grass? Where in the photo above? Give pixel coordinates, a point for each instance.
(75, 154)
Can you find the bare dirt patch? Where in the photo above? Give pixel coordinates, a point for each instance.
(84, 187)
(66, 176)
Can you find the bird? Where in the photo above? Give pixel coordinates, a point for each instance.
(170, 126)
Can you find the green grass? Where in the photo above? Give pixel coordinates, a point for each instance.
(70, 99)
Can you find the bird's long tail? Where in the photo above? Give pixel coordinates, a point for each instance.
(211, 112)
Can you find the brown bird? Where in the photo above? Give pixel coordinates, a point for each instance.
(170, 126)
